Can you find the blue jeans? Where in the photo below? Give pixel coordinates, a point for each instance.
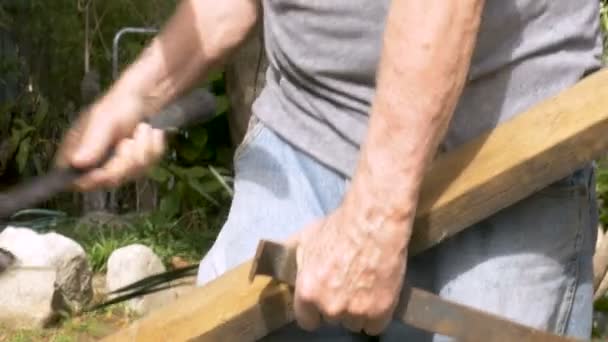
(531, 263)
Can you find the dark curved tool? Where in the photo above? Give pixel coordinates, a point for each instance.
(146, 286)
(196, 107)
(417, 308)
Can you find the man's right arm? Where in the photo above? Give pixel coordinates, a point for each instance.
(199, 36)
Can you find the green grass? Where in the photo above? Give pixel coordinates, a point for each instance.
(188, 237)
(88, 327)
(167, 238)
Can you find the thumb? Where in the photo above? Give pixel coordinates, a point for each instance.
(95, 142)
(294, 240)
(299, 236)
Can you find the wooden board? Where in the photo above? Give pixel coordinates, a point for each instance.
(522, 156)
(538, 147)
(208, 313)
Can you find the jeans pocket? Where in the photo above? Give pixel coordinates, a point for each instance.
(253, 130)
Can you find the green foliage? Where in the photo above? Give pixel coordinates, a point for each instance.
(52, 52)
(197, 170)
(167, 237)
(53, 41)
(5, 19)
(194, 179)
(29, 143)
(187, 181)
(103, 244)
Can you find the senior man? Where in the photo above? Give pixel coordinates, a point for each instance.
(360, 96)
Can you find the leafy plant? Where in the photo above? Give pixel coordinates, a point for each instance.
(196, 173)
(100, 249)
(28, 144)
(5, 20)
(167, 237)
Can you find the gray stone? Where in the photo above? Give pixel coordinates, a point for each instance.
(56, 253)
(132, 263)
(29, 298)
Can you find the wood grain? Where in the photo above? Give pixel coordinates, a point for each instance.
(499, 168)
(227, 309)
(533, 150)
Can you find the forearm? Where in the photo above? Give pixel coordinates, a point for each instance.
(427, 51)
(196, 38)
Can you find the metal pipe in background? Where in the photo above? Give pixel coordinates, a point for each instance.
(116, 42)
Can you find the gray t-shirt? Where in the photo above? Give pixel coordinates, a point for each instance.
(324, 55)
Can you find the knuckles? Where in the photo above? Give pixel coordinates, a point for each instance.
(341, 293)
(308, 291)
(383, 305)
(336, 306)
(313, 289)
(333, 308)
(358, 310)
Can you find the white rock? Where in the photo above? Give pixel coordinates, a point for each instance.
(29, 298)
(55, 251)
(132, 263)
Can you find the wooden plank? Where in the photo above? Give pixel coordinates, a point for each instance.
(208, 313)
(499, 168)
(522, 156)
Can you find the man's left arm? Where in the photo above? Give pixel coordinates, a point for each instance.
(352, 263)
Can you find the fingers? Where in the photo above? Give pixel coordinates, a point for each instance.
(149, 145)
(331, 319)
(334, 289)
(310, 315)
(131, 158)
(96, 138)
(378, 318)
(306, 313)
(309, 302)
(70, 142)
(292, 241)
(376, 326)
(112, 118)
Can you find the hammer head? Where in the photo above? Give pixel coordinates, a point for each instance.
(275, 260)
